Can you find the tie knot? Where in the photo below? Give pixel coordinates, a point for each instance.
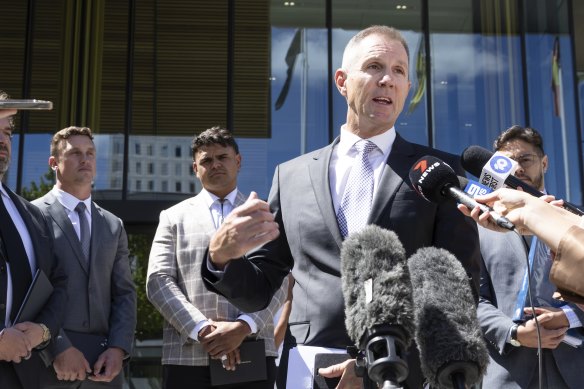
(364, 147)
(80, 208)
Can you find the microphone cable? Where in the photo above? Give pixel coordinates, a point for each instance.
(539, 348)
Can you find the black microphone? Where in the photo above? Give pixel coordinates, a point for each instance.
(437, 182)
(453, 353)
(378, 302)
(475, 158)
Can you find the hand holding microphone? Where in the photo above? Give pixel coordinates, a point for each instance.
(495, 170)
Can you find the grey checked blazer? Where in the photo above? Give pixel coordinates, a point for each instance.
(175, 287)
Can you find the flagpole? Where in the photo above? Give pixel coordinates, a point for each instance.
(303, 91)
(564, 132)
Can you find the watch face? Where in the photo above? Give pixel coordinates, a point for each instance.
(514, 342)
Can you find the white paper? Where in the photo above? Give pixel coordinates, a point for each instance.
(301, 365)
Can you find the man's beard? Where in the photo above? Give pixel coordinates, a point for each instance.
(4, 161)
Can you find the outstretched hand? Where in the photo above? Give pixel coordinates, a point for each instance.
(248, 226)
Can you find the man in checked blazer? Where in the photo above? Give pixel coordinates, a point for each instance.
(199, 324)
(102, 297)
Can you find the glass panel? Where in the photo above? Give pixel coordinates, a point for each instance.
(144, 369)
(477, 87)
(299, 103)
(348, 19)
(550, 75)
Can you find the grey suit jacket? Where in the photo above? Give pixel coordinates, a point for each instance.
(102, 296)
(175, 288)
(310, 240)
(504, 263)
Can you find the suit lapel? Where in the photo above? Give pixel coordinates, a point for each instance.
(317, 169)
(396, 171)
(59, 215)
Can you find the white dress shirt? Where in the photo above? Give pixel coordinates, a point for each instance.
(69, 201)
(218, 215)
(344, 154)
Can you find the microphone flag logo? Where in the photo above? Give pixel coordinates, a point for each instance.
(501, 164)
(421, 165)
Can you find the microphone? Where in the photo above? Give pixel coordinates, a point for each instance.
(378, 302)
(435, 181)
(453, 353)
(475, 158)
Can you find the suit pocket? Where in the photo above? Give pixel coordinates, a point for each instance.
(300, 331)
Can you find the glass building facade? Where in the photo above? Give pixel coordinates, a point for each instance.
(146, 75)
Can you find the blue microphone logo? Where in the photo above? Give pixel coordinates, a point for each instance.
(501, 164)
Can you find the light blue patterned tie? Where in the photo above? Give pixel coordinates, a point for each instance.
(358, 196)
(84, 235)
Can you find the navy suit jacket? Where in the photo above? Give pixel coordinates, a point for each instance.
(53, 312)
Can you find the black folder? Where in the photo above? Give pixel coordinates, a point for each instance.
(36, 297)
(251, 368)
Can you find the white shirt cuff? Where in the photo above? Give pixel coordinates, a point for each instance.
(582, 221)
(252, 325)
(213, 269)
(572, 317)
(200, 325)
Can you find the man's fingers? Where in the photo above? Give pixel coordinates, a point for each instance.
(334, 370)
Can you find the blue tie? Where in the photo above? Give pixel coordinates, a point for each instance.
(356, 202)
(84, 235)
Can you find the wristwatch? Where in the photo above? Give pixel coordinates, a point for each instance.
(46, 336)
(513, 340)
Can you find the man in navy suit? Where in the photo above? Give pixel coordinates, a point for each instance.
(26, 245)
(307, 197)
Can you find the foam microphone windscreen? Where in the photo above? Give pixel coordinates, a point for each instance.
(375, 283)
(430, 175)
(448, 334)
(474, 158)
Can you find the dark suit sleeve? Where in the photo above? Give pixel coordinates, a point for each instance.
(250, 282)
(458, 234)
(123, 310)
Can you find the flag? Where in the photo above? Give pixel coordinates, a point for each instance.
(291, 55)
(556, 90)
(420, 76)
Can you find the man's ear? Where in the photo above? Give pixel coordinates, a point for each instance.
(341, 81)
(195, 167)
(53, 163)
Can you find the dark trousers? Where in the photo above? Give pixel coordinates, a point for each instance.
(8, 377)
(189, 377)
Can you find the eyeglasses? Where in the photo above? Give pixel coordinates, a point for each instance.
(7, 134)
(526, 160)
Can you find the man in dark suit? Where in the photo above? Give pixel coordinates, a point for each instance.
(512, 337)
(26, 245)
(92, 244)
(312, 215)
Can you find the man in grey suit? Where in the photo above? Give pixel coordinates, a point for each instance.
(200, 325)
(512, 337)
(308, 195)
(98, 330)
(26, 244)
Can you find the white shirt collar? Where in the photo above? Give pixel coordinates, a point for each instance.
(210, 198)
(383, 141)
(69, 201)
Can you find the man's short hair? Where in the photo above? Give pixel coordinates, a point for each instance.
(214, 136)
(389, 32)
(61, 136)
(526, 134)
(6, 96)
